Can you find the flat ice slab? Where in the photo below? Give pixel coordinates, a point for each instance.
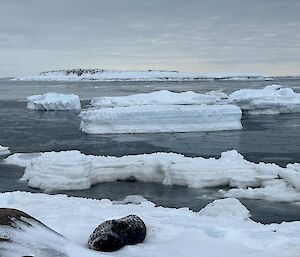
(4, 150)
(222, 228)
(164, 118)
(272, 99)
(148, 75)
(72, 170)
(53, 102)
(162, 97)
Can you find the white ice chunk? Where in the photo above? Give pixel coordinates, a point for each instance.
(53, 102)
(4, 150)
(292, 175)
(156, 119)
(229, 208)
(163, 97)
(272, 99)
(73, 170)
(21, 159)
(170, 232)
(274, 190)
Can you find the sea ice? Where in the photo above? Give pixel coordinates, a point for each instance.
(72, 170)
(4, 150)
(221, 227)
(272, 99)
(53, 102)
(164, 118)
(162, 97)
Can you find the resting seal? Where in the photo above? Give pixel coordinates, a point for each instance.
(112, 235)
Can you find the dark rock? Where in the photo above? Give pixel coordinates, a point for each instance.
(112, 235)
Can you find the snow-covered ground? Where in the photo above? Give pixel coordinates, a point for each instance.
(222, 228)
(148, 75)
(72, 170)
(162, 97)
(54, 102)
(272, 99)
(161, 118)
(4, 150)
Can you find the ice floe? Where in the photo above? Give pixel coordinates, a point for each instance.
(161, 118)
(147, 75)
(162, 97)
(221, 227)
(54, 102)
(72, 170)
(272, 99)
(4, 150)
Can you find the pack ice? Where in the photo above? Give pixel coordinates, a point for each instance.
(72, 170)
(224, 226)
(54, 102)
(272, 99)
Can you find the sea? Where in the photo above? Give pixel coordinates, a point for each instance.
(264, 138)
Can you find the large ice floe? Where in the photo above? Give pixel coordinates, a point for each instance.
(147, 75)
(162, 97)
(54, 102)
(161, 118)
(4, 150)
(72, 170)
(222, 228)
(272, 99)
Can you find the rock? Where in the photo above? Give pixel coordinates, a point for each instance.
(112, 235)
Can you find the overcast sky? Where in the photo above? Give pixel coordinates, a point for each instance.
(260, 36)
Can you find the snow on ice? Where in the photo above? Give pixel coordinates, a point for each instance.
(72, 170)
(272, 99)
(148, 75)
(53, 102)
(157, 118)
(162, 97)
(223, 226)
(4, 150)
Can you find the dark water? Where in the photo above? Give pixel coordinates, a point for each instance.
(268, 138)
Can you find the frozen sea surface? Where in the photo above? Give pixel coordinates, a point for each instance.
(268, 138)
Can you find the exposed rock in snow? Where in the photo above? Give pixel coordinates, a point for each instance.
(4, 150)
(53, 102)
(148, 75)
(272, 99)
(163, 97)
(172, 232)
(156, 119)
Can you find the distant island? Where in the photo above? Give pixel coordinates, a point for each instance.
(147, 75)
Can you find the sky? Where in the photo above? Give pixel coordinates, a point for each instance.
(260, 36)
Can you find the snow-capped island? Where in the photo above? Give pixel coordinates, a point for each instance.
(54, 102)
(147, 75)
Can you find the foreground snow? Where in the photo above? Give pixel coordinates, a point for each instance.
(162, 97)
(72, 170)
(164, 118)
(269, 100)
(221, 227)
(149, 75)
(4, 150)
(53, 102)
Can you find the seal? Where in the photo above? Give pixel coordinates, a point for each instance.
(112, 235)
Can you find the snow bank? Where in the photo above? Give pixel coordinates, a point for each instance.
(156, 119)
(162, 97)
(272, 99)
(171, 232)
(53, 102)
(72, 170)
(148, 75)
(4, 150)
